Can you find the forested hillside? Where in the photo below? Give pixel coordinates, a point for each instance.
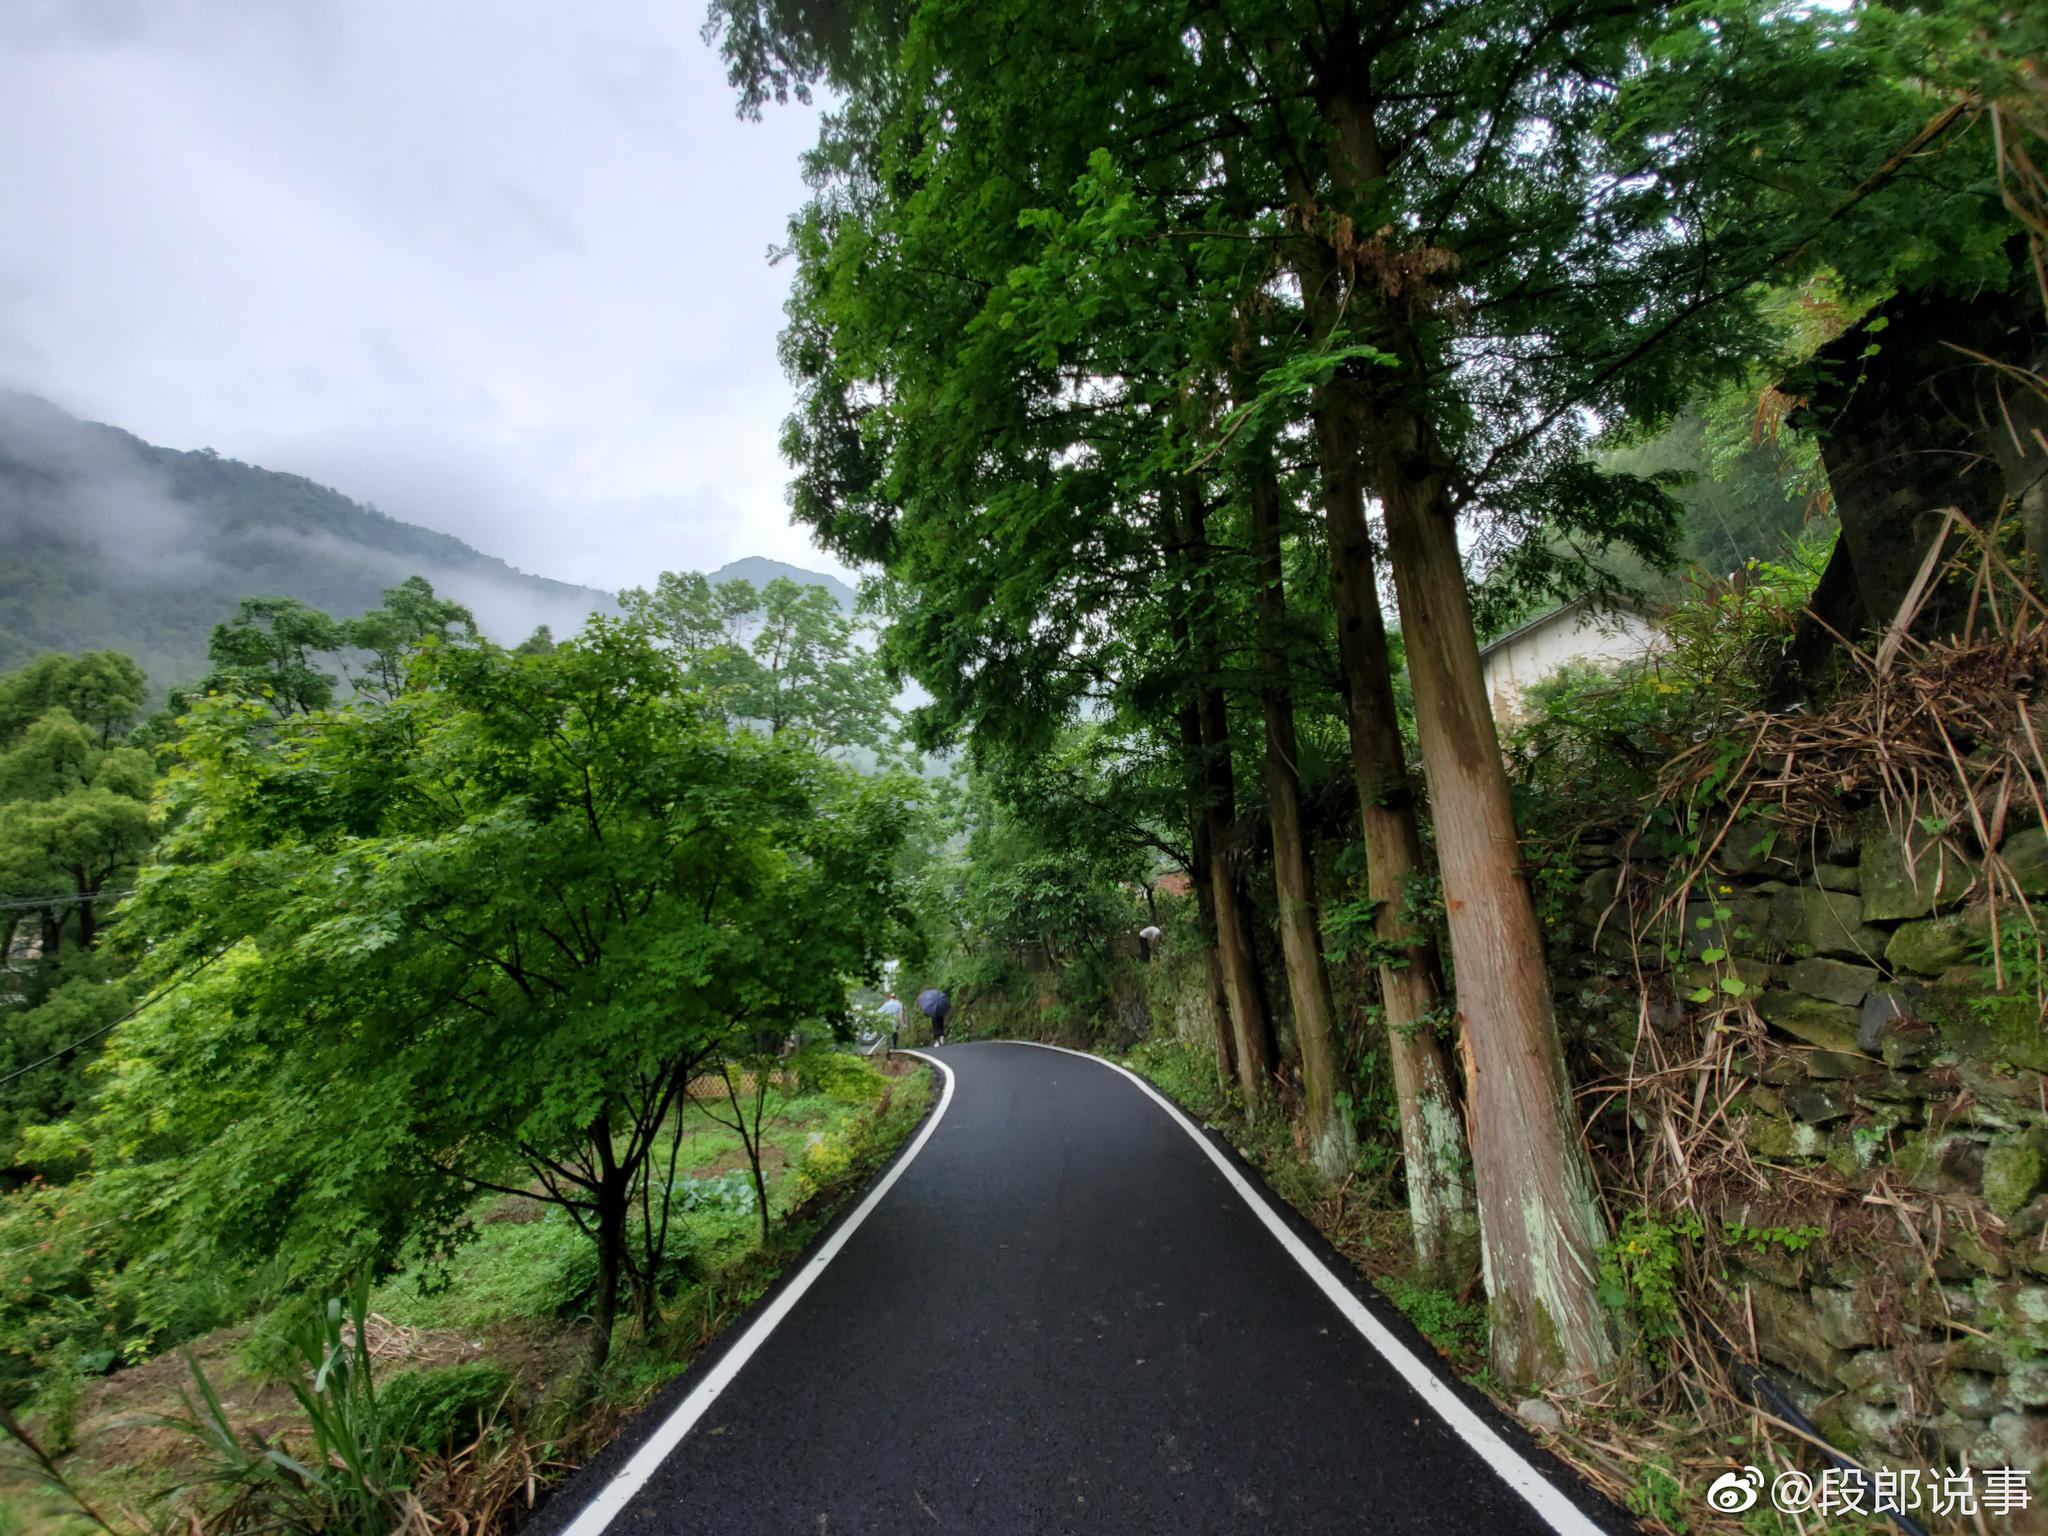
(116, 544)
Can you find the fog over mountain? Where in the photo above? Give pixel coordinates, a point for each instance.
(115, 543)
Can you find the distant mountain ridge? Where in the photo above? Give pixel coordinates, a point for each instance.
(114, 543)
(760, 570)
(108, 542)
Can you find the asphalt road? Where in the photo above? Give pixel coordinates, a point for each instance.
(1063, 1317)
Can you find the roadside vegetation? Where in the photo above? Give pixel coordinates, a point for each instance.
(417, 1050)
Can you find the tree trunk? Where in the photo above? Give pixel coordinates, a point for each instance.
(1331, 1139)
(1910, 423)
(1540, 1221)
(1541, 1227)
(1252, 1030)
(1440, 1204)
(611, 1251)
(1219, 998)
(1189, 717)
(752, 1142)
(88, 925)
(1443, 1217)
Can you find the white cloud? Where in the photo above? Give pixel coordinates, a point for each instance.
(495, 267)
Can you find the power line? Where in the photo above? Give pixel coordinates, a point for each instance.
(87, 1039)
(36, 903)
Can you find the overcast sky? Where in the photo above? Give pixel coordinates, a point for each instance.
(498, 266)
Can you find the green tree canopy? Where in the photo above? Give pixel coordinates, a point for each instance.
(103, 690)
(75, 820)
(409, 617)
(784, 655)
(268, 651)
(481, 935)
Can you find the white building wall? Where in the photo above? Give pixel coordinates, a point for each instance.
(1569, 635)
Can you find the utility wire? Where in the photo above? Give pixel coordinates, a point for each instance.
(32, 903)
(65, 1050)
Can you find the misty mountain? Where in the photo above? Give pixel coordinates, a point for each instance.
(113, 543)
(760, 571)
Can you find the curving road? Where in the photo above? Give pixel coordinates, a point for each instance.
(1065, 1315)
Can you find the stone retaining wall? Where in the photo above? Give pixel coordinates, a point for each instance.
(1895, 1098)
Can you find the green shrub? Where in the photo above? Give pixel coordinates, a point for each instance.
(841, 1076)
(1596, 737)
(81, 1296)
(438, 1410)
(824, 1162)
(1186, 1073)
(1459, 1330)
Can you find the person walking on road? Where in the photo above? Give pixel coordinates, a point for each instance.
(892, 1014)
(937, 1007)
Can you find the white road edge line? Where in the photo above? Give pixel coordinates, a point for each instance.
(606, 1504)
(1508, 1463)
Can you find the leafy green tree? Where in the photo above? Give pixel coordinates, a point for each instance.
(1012, 450)
(693, 615)
(75, 819)
(268, 651)
(707, 626)
(1030, 368)
(50, 1035)
(103, 690)
(1036, 898)
(410, 616)
(479, 937)
(1748, 490)
(73, 814)
(1456, 239)
(811, 672)
(784, 655)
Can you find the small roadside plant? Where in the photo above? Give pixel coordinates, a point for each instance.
(351, 1476)
(1660, 1495)
(1641, 1270)
(1458, 1329)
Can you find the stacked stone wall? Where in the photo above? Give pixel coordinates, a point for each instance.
(1888, 1255)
